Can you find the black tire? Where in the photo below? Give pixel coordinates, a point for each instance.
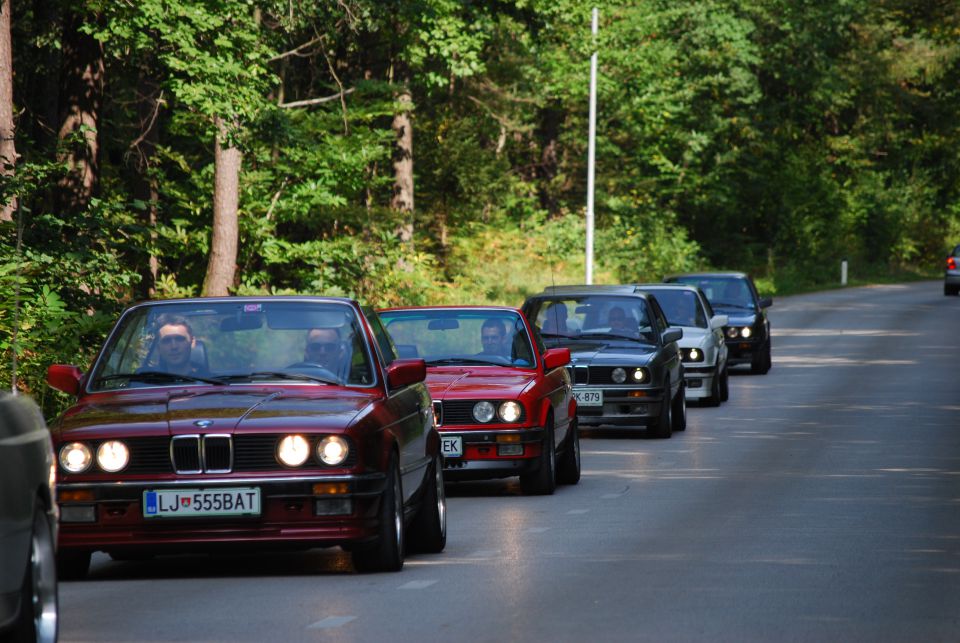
(72, 565)
(725, 385)
(716, 389)
(38, 619)
(951, 291)
(761, 362)
(678, 414)
(663, 427)
(386, 553)
(428, 533)
(568, 470)
(543, 481)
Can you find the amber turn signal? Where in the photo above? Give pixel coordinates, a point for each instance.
(509, 437)
(637, 394)
(330, 488)
(76, 495)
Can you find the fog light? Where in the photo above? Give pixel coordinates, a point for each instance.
(333, 506)
(509, 449)
(78, 513)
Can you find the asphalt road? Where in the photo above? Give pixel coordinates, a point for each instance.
(821, 503)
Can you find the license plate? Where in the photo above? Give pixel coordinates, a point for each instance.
(189, 503)
(588, 396)
(451, 446)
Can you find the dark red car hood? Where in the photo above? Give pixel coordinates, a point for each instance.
(457, 382)
(227, 411)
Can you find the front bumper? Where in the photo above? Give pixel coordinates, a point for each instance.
(698, 379)
(626, 406)
(289, 514)
(742, 351)
(482, 453)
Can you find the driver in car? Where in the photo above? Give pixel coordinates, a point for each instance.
(325, 348)
(175, 342)
(493, 337)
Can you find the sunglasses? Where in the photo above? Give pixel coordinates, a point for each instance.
(326, 347)
(491, 338)
(174, 339)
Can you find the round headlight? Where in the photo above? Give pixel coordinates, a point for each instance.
(510, 411)
(732, 332)
(695, 355)
(639, 375)
(746, 332)
(293, 450)
(112, 456)
(75, 457)
(483, 412)
(333, 450)
(618, 375)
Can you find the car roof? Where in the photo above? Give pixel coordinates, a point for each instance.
(450, 307)
(741, 275)
(584, 289)
(670, 286)
(247, 298)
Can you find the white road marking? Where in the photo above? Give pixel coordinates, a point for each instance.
(537, 530)
(331, 622)
(485, 553)
(578, 511)
(417, 584)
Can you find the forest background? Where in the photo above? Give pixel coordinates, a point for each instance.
(434, 151)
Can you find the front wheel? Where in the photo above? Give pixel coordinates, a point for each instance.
(663, 428)
(38, 618)
(725, 385)
(386, 553)
(543, 481)
(569, 468)
(762, 361)
(679, 412)
(716, 389)
(428, 533)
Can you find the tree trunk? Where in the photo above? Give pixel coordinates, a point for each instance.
(402, 200)
(81, 99)
(224, 241)
(145, 185)
(551, 118)
(8, 150)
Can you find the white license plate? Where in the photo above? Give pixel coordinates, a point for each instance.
(588, 396)
(188, 503)
(451, 446)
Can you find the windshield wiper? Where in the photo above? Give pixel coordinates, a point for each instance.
(730, 305)
(461, 360)
(159, 376)
(639, 340)
(278, 375)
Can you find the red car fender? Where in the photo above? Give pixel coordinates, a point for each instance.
(544, 411)
(572, 408)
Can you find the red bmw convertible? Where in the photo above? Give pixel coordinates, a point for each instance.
(237, 422)
(503, 402)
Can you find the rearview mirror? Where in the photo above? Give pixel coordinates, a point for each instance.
(65, 378)
(443, 324)
(672, 335)
(765, 302)
(719, 321)
(403, 372)
(555, 358)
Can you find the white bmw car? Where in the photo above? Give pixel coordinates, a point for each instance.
(702, 345)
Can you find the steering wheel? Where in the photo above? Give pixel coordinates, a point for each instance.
(324, 372)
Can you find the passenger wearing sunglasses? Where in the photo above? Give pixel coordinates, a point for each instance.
(175, 341)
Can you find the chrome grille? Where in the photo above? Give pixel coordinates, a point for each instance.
(185, 454)
(217, 454)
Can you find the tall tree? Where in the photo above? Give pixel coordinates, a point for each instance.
(8, 150)
(81, 100)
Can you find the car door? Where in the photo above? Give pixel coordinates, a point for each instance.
(670, 352)
(558, 388)
(412, 410)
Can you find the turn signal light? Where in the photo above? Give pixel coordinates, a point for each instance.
(637, 394)
(509, 437)
(330, 488)
(76, 495)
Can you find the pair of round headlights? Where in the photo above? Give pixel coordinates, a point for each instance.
(112, 456)
(637, 375)
(509, 411)
(294, 450)
(739, 331)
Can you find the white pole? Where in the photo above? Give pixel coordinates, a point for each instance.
(843, 272)
(591, 148)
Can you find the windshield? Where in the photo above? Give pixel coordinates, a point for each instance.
(723, 291)
(461, 336)
(682, 307)
(230, 342)
(593, 315)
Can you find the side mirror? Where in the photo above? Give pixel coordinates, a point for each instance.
(555, 358)
(64, 378)
(671, 335)
(404, 372)
(765, 302)
(719, 321)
